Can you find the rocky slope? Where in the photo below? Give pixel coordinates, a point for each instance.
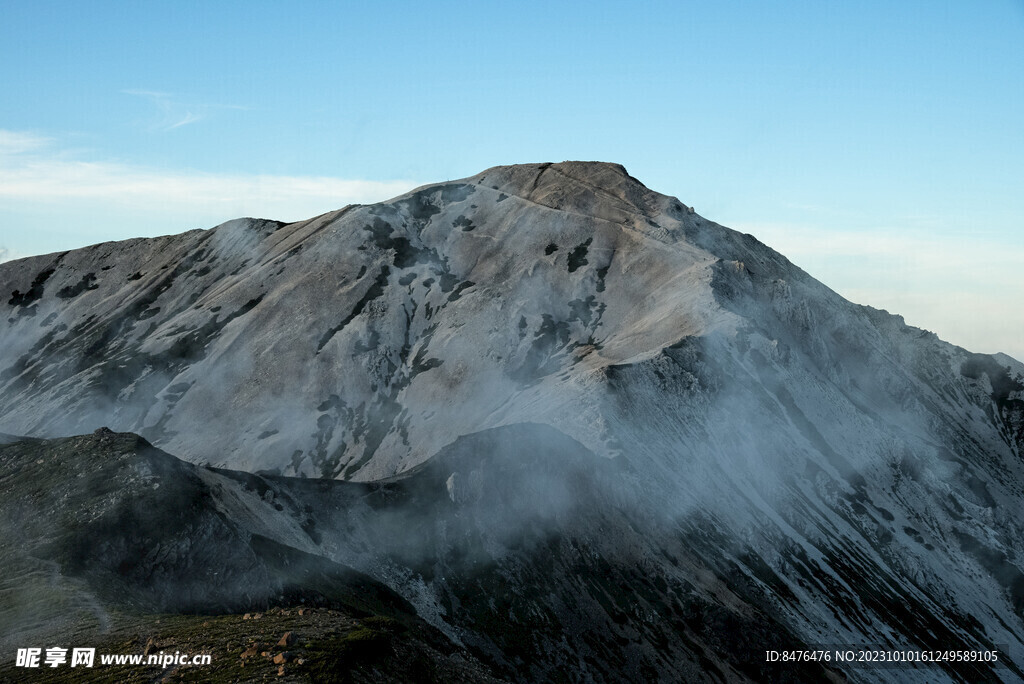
(358, 343)
(105, 538)
(518, 543)
(756, 445)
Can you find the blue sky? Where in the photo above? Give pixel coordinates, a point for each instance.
(879, 145)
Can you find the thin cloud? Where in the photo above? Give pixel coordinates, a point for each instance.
(186, 119)
(174, 112)
(19, 142)
(34, 173)
(948, 255)
(126, 185)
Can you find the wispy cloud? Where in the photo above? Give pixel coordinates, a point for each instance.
(19, 142)
(33, 169)
(174, 112)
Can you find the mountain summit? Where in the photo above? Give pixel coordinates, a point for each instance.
(770, 447)
(359, 342)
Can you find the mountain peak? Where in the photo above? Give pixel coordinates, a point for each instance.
(602, 189)
(573, 168)
(597, 173)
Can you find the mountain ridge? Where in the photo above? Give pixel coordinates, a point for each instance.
(767, 439)
(248, 237)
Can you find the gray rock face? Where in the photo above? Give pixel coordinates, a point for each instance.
(860, 476)
(358, 343)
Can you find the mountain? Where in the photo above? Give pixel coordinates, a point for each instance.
(509, 540)
(604, 438)
(103, 532)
